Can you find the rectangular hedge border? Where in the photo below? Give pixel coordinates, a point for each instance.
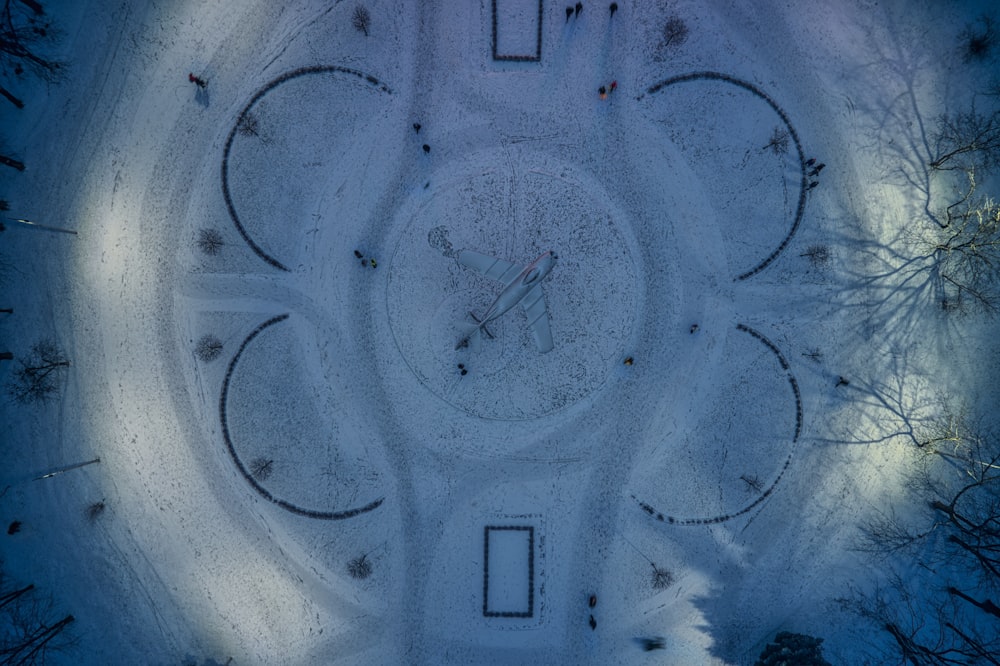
(519, 58)
(531, 570)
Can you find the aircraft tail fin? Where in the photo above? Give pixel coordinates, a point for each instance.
(473, 338)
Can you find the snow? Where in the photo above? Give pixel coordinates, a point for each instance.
(655, 201)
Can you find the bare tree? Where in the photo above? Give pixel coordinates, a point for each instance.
(208, 348)
(778, 143)
(29, 630)
(210, 241)
(966, 253)
(970, 515)
(942, 611)
(923, 630)
(39, 375)
(753, 483)
(360, 567)
(361, 19)
(662, 578)
(249, 125)
(819, 255)
(967, 142)
(978, 39)
(25, 36)
(261, 468)
(675, 33)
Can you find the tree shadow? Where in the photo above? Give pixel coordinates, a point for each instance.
(897, 129)
(894, 401)
(891, 279)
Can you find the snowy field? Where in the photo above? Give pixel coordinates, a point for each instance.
(336, 422)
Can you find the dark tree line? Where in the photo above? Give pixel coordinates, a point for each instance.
(967, 141)
(944, 610)
(962, 255)
(26, 36)
(30, 627)
(790, 649)
(954, 261)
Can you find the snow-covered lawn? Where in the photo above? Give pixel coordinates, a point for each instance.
(337, 423)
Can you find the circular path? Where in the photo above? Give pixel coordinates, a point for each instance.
(534, 202)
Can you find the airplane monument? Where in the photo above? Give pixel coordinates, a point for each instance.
(522, 286)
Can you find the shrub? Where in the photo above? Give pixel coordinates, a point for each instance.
(360, 567)
(210, 241)
(208, 348)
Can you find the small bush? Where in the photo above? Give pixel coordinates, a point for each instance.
(752, 482)
(360, 567)
(94, 510)
(249, 125)
(675, 32)
(819, 255)
(662, 578)
(261, 468)
(978, 39)
(778, 143)
(210, 241)
(208, 348)
(361, 19)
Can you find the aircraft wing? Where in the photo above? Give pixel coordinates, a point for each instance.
(491, 267)
(538, 318)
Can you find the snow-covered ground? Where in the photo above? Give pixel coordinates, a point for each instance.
(724, 454)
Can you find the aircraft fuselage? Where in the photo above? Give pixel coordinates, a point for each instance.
(519, 287)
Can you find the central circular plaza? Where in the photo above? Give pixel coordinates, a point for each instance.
(513, 214)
